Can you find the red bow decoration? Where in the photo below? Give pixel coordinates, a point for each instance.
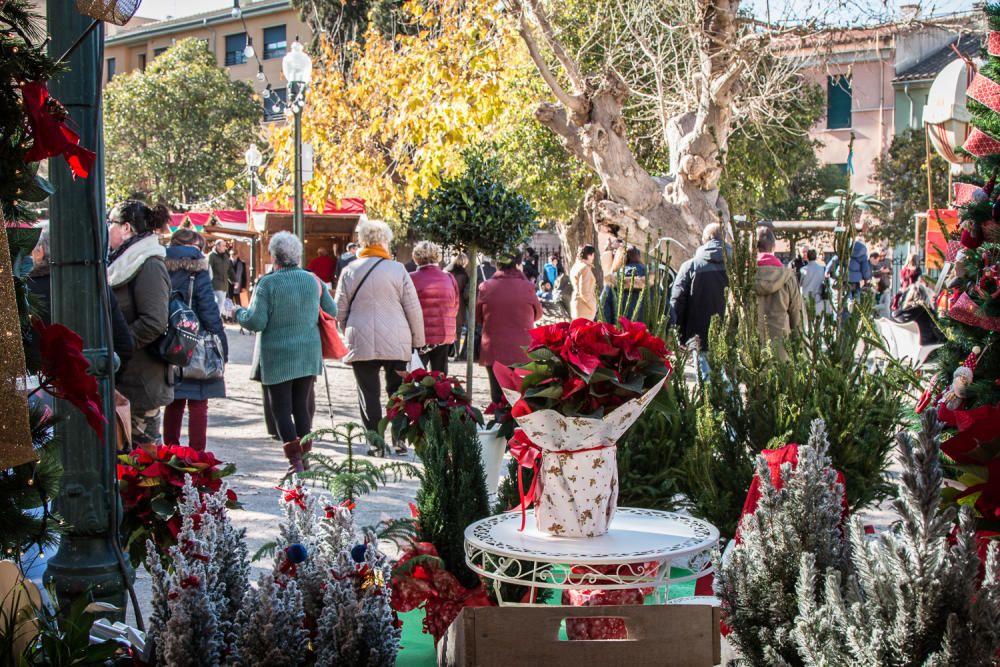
(331, 510)
(293, 495)
(190, 581)
(528, 455)
(50, 135)
(64, 372)
(429, 584)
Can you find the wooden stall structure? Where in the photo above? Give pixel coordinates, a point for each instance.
(332, 228)
(231, 225)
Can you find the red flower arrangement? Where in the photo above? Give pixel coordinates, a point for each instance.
(421, 395)
(64, 371)
(500, 415)
(150, 482)
(586, 368)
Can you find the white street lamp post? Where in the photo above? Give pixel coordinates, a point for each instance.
(297, 68)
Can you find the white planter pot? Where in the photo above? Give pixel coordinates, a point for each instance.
(491, 451)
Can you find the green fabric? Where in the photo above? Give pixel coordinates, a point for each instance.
(285, 309)
(418, 648)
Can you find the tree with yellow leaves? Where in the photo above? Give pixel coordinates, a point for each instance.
(396, 123)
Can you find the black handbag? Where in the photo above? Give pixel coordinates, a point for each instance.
(206, 360)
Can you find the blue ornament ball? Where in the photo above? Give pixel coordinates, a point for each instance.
(296, 553)
(358, 552)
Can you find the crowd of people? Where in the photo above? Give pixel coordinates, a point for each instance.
(393, 315)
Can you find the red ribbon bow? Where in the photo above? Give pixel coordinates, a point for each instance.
(50, 135)
(528, 455)
(331, 510)
(293, 495)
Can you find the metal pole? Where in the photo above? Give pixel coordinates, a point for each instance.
(87, 561)
(470, 319)
(927, 150)
(298, 223)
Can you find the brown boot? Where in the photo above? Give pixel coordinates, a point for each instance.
(293, 452)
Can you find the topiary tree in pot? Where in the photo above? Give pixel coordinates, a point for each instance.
(475, 212)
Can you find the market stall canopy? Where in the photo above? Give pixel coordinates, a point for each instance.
(227, 219)
(347, 206)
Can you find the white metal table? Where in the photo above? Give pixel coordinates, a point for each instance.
(638, 552)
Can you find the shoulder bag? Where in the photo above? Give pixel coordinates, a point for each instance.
(333, 346)
(206, 361)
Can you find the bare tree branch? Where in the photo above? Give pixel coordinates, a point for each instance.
(573, 103)
(572, 69)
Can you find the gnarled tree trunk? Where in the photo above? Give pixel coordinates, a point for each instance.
(632, 203)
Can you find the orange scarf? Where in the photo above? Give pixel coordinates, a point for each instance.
(374, 251)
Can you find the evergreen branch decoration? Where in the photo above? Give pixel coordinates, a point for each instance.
(350, 478)
(758, 582)
(919, 594)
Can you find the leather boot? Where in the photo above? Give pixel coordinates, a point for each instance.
(293, 452)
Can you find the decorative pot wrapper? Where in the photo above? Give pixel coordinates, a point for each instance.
(575, 486)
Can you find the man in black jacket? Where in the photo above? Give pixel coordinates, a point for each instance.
(699, 291)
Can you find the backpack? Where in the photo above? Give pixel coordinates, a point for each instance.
(176, 345)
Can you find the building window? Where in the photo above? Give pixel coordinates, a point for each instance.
(111, 68)
(142, 61)
(235, 44)
(157, 52)
(274, 105)
(275, 42)
(838, 102)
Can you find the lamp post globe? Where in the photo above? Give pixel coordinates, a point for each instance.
(297, 65)
(297, 68)
(253, 156)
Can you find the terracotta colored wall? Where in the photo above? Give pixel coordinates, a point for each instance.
(872, 118)
(126, 52)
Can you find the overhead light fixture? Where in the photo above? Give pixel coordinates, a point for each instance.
(237, 12)
(260, 73)
(248, 51)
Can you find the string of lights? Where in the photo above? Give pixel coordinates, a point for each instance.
(249, 52)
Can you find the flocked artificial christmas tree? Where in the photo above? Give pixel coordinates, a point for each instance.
(966, 392)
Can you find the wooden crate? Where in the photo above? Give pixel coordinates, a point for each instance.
(659, 636)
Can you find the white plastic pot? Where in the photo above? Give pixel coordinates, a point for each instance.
(491, 451)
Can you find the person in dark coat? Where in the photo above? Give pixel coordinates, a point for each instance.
(138, 275)
(240, 276)
(39, 283)
(629, 284)
(699, 290)
(530, 266)
(508, 308)
(190, 276)
(346, 258)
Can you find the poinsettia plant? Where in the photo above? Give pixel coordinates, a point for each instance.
(151, 482)
(422, 394)
(500, 416)
(585, 368)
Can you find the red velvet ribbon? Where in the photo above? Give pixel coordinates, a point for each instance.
(49, 132)
(529, 455)
(293, 495)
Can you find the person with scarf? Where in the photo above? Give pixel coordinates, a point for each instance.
(379, 312)
(137, 274)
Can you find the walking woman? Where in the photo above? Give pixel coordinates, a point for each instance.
(285, 310)
(138, 276)
(379, 312)
(190, 276)
(438, 294)
(508, 308)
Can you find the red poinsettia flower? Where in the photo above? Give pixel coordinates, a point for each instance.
(551, 336)
(443, 389)
(64, 372)
(592, 337)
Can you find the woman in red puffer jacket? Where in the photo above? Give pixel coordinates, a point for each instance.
(438, 294)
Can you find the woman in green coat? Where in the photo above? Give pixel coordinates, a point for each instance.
(285, 310)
